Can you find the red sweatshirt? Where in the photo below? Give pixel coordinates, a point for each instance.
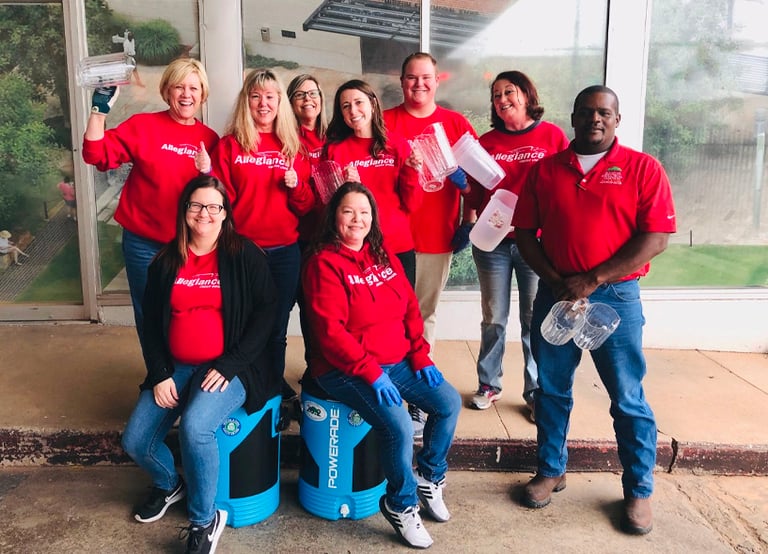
(516, 153)
(314, 150)
(265, 210)
(362, 314)
(394, 185)
(163, 155)
(434, 223)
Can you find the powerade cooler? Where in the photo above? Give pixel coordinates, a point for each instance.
(249, 464)
(340, 474)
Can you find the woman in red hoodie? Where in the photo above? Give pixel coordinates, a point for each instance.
(358, 140)
(368, 350)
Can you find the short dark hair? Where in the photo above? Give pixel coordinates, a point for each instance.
(522, 82)
(594, 89)
(327, 234)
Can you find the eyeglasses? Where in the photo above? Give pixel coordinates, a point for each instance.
(301, 95)
(197, 207)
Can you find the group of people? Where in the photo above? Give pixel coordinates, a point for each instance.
(213, 285)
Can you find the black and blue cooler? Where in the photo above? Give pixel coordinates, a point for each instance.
(340, 474)
(249, 464)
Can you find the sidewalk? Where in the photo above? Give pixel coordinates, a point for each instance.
(69, 389)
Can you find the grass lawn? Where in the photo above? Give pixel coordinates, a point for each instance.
(709, 266)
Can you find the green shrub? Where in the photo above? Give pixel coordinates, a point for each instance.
(463, 273)
(257, 60)
(157, 42)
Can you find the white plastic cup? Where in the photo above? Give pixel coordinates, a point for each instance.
(328, 177)
(438, 160)
(476, 161)
(564, 321)
(105, 71)
(495, 221)
(600, 321)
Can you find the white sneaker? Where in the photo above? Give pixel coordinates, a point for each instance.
(485, 397)
(407, 525)
(431, 496)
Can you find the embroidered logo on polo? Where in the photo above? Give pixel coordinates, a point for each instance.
(612, 176)
(524, 154)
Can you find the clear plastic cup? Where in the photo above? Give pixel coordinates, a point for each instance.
(105, 71)
(564, 321)
(476, 161)
(495, 221)
(328, 177)
(438, 160)
(600, 321)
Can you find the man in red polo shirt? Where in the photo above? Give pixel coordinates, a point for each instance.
(604, 210)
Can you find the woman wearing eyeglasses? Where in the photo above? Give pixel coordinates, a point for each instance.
(267, 179)
(209, 305)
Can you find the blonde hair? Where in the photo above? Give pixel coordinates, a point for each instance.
(178, 70)
(242, 126)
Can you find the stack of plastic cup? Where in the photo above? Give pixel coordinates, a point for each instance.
(600, 320)
(563, 321)
(105, 71)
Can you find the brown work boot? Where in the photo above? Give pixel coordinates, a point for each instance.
(538, 491)
(638, 517)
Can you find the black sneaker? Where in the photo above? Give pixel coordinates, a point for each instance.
(203, 540)
(158, 501)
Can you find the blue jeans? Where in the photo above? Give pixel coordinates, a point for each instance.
(494, 272)
(138, 253)
(285, 266)
(394, 429)
(201, 415)
(621, 366)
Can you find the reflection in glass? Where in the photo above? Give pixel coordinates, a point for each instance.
(37, 204)
(705, 120)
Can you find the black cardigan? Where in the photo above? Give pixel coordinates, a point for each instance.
(248, 305)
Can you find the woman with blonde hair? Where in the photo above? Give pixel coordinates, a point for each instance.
(167, 149)
(267, 179)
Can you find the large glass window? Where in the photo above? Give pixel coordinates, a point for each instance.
(160, 31)
(39, 257)
(337, 40)
(705, 119)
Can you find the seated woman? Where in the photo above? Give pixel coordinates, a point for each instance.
(209, 307)
(8, 247)
(368, 351)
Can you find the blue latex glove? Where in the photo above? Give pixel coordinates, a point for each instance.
(461, 237)
(459, 178)
(103, 99)
(431, 375)
(386, 391)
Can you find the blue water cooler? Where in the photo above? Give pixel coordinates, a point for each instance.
(340, 474)
(249, 464)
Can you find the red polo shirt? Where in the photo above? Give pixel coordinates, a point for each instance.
(586, 219)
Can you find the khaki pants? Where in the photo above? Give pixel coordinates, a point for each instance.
(431, 276)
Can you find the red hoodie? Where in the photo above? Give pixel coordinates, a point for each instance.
(362, 314)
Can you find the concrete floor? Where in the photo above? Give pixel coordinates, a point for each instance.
(87, 510)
